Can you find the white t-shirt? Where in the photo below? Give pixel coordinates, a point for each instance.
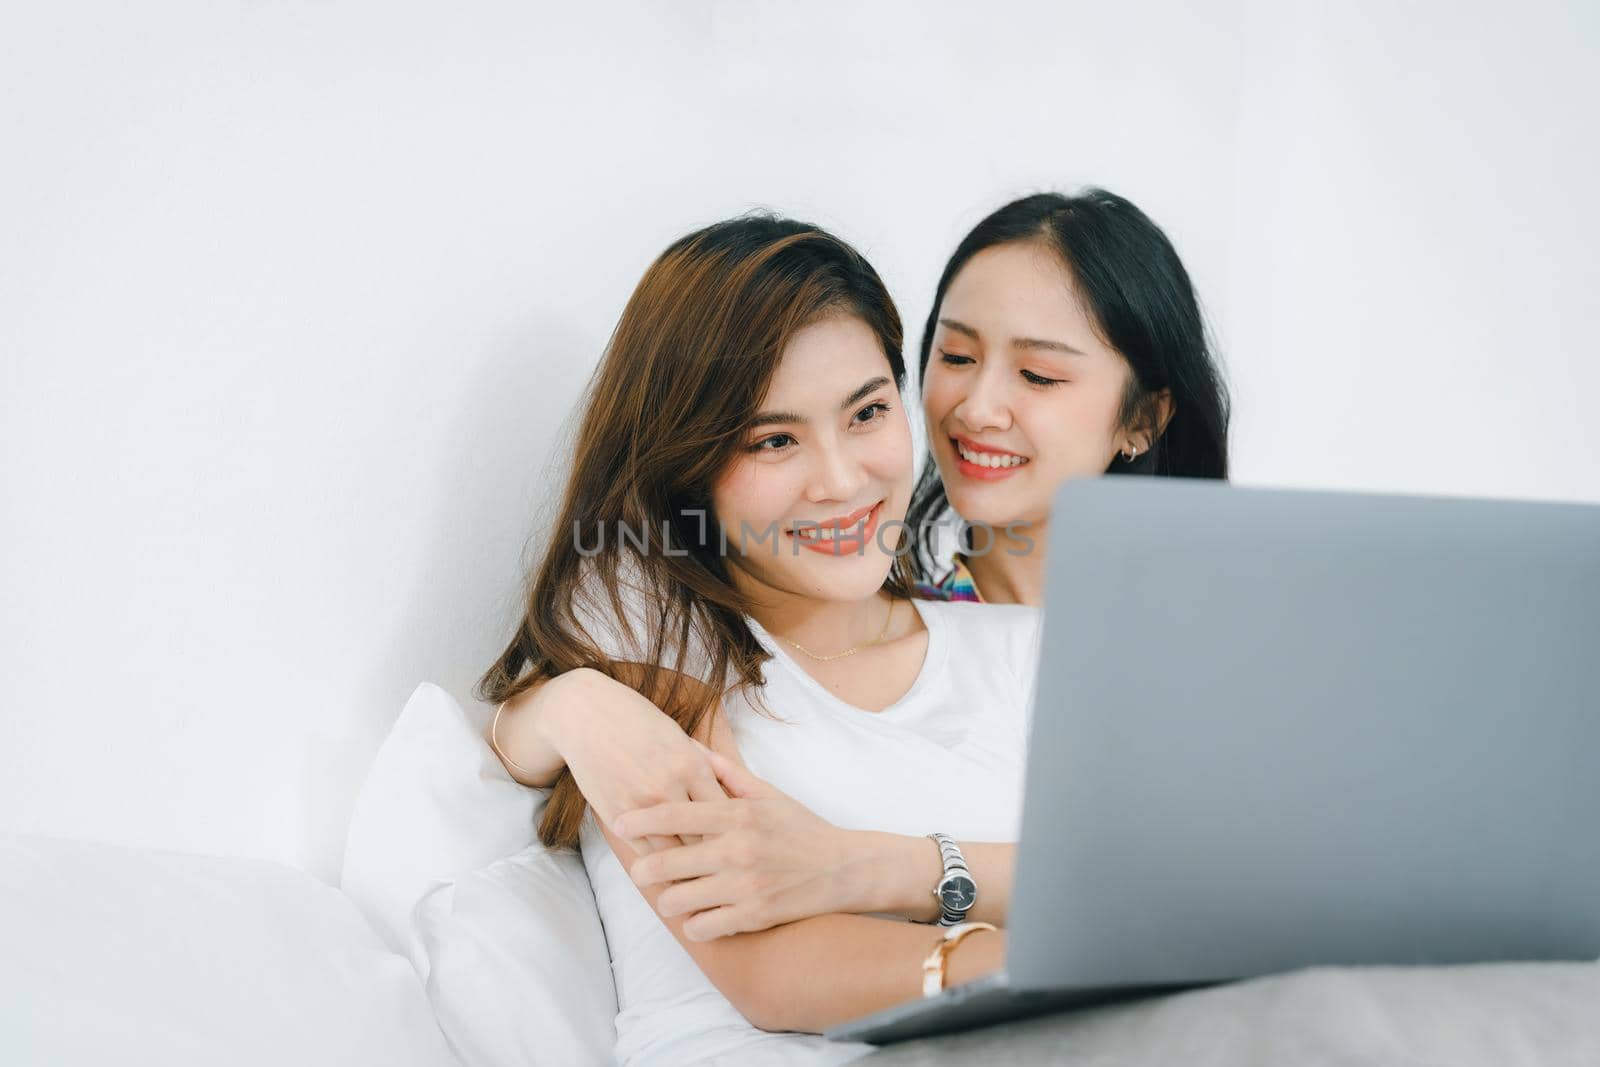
(947, 756)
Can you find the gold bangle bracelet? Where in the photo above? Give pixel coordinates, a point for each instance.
(933, 968)
(494, 741)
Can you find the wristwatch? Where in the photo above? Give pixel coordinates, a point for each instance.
(956, 891)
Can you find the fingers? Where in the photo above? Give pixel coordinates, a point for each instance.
(674, 864)
(704, 786)
(725, 921)
(734, 778)
(642, 846)
(667, 839)
(693, 817)
(699, 786)
(744, 911)
(700, 894)
(660, 842)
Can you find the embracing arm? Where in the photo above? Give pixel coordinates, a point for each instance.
(818, 972)
(622, 750)
(806, 975)
(760, 858)
(626, 754)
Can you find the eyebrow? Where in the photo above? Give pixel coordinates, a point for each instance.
(1031, 343)
(771, 418)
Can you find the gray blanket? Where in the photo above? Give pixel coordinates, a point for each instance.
(1488, 1015)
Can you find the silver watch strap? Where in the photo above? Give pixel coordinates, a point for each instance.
(954, 862)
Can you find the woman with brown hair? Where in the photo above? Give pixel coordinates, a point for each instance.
(728, 552)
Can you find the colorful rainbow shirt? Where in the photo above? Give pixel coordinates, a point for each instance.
(957, 584)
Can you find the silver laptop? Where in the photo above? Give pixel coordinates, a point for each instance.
(1277, 729)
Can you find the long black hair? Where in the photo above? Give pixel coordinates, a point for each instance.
(1141, 300)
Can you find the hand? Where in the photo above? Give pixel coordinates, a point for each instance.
(762, 859)
(623, 751)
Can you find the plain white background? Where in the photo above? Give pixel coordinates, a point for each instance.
(298, 297)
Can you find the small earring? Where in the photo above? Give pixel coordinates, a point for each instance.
(1132, 454)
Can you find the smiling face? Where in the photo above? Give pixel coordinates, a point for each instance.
(1020, 392)
(828, 463)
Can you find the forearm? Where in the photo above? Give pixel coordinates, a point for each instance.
(515, 737)
(814, 974)
(525, 734)
(896, 875)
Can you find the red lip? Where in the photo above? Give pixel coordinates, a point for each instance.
(974, 446)
(979, 473)
(840, 546)
(839, 522)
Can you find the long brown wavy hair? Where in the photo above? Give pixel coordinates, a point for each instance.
(667, 411)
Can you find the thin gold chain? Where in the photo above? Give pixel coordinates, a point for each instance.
(849, 651)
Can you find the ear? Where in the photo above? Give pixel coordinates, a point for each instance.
(1155, 414)
(1165, 409)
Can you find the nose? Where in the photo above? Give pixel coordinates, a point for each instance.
(987, 404)
(838, 474)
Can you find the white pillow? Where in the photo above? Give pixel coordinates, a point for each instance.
(444, 859)
(518, 970)
(436, 804)
(134, 956)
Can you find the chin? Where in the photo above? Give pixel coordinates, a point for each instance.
(993, 507)
(847, 583)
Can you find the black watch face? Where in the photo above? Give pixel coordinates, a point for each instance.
(957, 892)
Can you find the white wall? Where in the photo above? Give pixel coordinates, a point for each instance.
(296, 299)
(1414, 248)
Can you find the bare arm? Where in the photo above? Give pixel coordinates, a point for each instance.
(899, 873)
(631, 756)
(806, 975)
(622, 750)
(525, 750)
(818, 972)
(761, 858)
(823, 970)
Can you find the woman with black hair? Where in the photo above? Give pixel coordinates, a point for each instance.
(1065, 341)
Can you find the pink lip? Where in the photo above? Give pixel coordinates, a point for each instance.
(978, 473)
(841, 521)
(974, 446)
(839, 546)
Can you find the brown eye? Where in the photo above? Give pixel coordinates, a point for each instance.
(873, 412)
(1039, 379)
(766, 444)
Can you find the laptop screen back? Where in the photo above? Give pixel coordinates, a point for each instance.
(1275, 729)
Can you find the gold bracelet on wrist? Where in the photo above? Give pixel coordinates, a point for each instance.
(494, 740)
(933, 968)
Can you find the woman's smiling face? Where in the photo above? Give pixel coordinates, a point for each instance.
(828, 465)
(1020, 392)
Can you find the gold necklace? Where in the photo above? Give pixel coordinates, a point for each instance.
(849, 651)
